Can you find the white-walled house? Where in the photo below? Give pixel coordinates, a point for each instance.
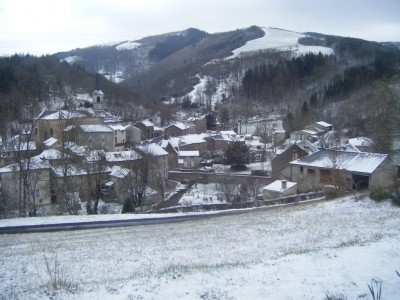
(126, 134)
(189, 159)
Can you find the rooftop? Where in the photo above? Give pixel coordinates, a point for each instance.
(361, 162)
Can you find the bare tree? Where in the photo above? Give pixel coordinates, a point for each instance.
(228, 188)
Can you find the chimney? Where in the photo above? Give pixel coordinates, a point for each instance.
(284, 184)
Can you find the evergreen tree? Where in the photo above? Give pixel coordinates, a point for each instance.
(238, 154)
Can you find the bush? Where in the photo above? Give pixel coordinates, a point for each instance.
(128, 207)
(238, 167)
(380, 196)
(259, 173)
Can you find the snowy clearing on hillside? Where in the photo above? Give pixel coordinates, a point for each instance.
(282, 40)
(299, 252)
(128, 46)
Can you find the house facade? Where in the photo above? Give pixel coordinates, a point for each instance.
(148, 129)
(125, 135)
(189, 159)
(34, 190)
(96, 137)
(54, 123)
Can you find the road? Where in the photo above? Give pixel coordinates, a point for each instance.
(113, 223)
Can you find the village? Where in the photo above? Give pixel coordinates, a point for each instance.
(73, 162)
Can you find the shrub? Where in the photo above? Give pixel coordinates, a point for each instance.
(380, 196)
(259, 173)
(238, 167)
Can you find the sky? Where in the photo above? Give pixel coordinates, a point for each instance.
(47, 26)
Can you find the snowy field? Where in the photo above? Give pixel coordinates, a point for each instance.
(281, 40)
(302, 252)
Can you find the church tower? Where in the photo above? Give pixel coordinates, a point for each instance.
(98, 96)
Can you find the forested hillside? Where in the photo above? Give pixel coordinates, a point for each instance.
(195, 71)
(46, 83)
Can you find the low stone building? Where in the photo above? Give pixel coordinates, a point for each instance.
(278, 189)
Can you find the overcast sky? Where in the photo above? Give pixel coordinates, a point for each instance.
(48, 26)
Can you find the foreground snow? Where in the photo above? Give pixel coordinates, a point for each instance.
(300, 252)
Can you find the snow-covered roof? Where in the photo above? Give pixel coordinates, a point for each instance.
(76, 149)
(98, 92)
(359, 162)
(119, 172)
(228, 132)
(324, 124)
(277, 186)
(51, 154)
(122, 156)
(192, 139)
(361, 141)
(147, 123)
(188, 153)
(50, 142)
(153, 149)
(96, 128)
(64, 114)
(119, 127)
(35, 163)
(181, 125)
(19, 146)
(79, 170)
(307, 146)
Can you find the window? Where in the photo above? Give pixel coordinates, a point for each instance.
(98, 99)
(103, 140)
(301, 169)
(115, 139)
(51, 131)
(36, 193)
(311, 171)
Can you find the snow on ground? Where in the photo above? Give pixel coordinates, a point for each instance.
(130, 45)
(299, 252)
(202, 194)
(282, 40)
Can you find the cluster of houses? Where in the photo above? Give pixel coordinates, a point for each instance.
(316, 157)
(77, 154)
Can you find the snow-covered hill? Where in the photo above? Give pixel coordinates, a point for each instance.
(280, 40)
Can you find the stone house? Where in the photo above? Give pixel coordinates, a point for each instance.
(179, 129)
(96, 137)
(189, 159)
(83, 179)
(37, 184)
(126, 135)
(149, 130)
(200, 123)
(297, 150)
(54, 123)
(341, 169)
(158, 162)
